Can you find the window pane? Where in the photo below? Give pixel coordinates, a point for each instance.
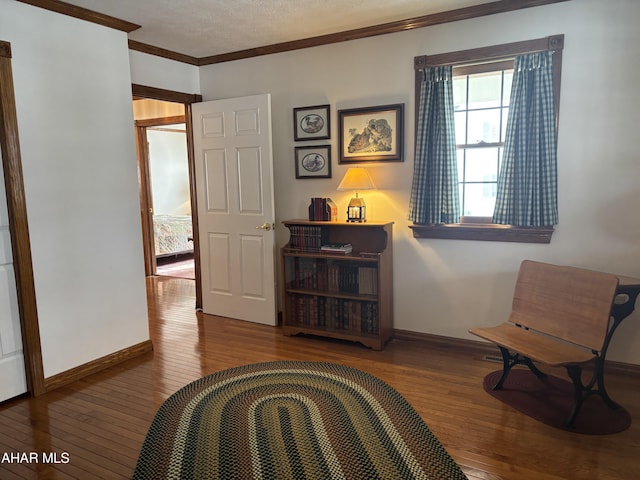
(460, 93)
(484, 122)
(508, 81)
(484, 126)
(485, 90)
(479, 199)
(461, 127)
(481, 165)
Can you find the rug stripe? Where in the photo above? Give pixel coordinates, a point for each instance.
(316, 444)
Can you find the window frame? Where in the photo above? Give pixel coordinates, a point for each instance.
(481, 228)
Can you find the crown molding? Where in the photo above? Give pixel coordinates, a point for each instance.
(491, 8)
(466, 13)
(162, 52)
(83, 14)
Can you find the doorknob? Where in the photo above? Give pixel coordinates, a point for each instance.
(264, 226)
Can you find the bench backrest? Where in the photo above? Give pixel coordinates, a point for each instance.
(570, 303)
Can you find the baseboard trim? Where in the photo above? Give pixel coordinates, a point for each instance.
(474, 347)
(81, 371)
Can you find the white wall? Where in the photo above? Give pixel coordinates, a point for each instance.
(152, 71)
(73, 98)
(445, 287)
(169, 166)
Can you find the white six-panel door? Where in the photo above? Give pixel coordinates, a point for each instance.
(234, 191)
(12, 373)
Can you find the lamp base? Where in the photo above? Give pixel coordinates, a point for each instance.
(357, 210)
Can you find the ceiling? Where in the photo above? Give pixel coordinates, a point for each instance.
(202, 28)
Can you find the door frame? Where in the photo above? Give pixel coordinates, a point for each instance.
(19, 227)
(141, 91)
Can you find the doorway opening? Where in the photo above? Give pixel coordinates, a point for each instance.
(165, 190)
(182, 102)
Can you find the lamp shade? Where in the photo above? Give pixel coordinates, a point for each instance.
(356, 178)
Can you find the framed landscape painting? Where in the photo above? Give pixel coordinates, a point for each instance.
(372, 134)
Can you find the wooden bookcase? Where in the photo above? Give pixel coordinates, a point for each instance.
(344, 296)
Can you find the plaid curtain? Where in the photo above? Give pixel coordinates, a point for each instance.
(527, 185)
(434, 193)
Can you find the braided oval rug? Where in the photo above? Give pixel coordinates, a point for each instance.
(291, 420)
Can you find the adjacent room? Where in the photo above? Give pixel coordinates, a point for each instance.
(165, 188)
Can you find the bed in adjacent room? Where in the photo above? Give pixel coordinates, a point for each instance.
(173, 234)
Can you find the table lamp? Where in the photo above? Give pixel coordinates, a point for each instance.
(356, 178)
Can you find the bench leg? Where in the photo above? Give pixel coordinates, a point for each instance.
(581, 391)
(509, 361)
(534, 369)
(575, 373)
(602, 391)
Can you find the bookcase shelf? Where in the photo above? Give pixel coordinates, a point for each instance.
(336, 295)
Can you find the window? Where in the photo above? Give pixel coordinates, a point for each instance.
(482, 80)
(481, 103)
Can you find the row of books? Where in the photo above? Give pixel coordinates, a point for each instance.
(308, 238)
(334, 314)
(328, 276)
(323, 209)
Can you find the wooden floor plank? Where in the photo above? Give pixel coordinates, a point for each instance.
(101, 420)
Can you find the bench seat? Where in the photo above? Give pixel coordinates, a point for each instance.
(534, 345)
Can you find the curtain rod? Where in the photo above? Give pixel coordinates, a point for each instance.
(553, 43)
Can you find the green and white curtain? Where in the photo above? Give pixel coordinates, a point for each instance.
(527, 184)
(434, 193)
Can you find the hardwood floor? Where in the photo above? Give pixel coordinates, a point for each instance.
(181, 266)
(96, 426)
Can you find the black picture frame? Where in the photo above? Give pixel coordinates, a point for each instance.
(312, 123)
(313, 161)
(371, 134)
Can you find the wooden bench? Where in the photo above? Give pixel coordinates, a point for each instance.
(560, 317)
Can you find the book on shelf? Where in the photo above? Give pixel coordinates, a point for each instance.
(353, 316)
(336, 248)
(368, 281)
(308, 238)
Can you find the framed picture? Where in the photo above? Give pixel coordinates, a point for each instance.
(313, 161)
(311, 123)
(372, 134)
